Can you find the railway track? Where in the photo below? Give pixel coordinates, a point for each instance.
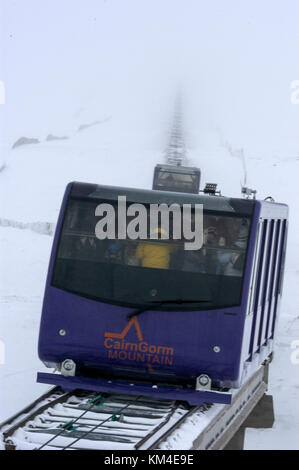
(84, 420)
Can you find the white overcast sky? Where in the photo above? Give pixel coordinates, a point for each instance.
(235, 60)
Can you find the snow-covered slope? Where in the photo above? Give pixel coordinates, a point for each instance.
(31, 189)
(32, 185)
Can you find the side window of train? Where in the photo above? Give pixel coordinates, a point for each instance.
(272, 267)
(268, 260)
(283, 255)
(254, 266)
(259, 266)
(278, 275)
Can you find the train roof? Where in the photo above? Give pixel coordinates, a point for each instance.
(145, 196)
(178, 168)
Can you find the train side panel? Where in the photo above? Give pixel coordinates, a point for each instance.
(265, 286)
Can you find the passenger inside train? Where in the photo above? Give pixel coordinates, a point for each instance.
(129, 270)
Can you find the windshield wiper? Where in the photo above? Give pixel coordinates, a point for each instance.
(155, 304)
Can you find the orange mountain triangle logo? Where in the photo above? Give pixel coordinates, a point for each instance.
(141, 352)
(126, 330)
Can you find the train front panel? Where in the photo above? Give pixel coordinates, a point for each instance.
(149, 309)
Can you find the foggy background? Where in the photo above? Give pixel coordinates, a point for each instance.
(118, 64)
(67, 62)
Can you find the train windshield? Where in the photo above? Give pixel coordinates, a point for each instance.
(169, 180)
(137, 272)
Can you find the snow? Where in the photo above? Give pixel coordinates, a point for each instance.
(31, 189)
(23, 253)
(119, 64)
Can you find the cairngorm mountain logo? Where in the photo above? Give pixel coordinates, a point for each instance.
(120, 349)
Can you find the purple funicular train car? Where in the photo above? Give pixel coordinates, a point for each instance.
(185, 324)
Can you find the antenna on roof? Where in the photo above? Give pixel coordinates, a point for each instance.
(248, 192)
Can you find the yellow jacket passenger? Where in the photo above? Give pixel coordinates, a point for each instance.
(154, 255)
